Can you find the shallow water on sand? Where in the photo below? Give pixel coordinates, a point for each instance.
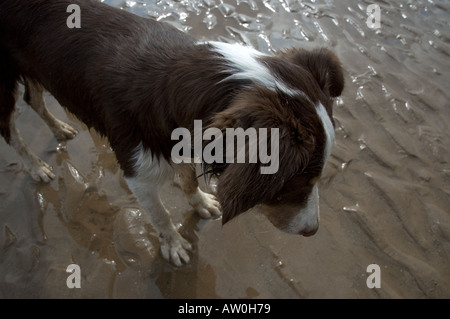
(385, 194)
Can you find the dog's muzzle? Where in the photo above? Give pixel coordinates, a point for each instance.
(294, 220)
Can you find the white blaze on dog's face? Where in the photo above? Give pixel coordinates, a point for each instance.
(306, 221)
(303, 217)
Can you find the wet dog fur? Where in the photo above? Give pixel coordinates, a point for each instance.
(135, 80)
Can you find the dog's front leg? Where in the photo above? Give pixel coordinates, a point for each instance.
(174, 247)
(206, 205)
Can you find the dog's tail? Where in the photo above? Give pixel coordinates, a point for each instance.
(9, 76)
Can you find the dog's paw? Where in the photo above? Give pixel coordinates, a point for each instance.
(63, 131)
(40, 171)
(175, 249)
(206, 205)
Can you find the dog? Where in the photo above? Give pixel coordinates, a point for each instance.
(135, 80)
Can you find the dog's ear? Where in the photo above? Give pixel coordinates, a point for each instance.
(244, 185)
(323, 64)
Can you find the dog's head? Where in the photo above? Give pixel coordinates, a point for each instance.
(300, 108)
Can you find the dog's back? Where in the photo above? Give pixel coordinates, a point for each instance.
(114, 61)
(107, 36)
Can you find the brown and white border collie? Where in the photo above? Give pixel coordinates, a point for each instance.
(135, 80)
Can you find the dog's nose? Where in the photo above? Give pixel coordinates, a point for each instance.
(309, 232)
(311, 215)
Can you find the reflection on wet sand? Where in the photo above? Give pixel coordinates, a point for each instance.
(385, 194)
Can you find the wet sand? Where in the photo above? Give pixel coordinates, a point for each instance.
(385, 194)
